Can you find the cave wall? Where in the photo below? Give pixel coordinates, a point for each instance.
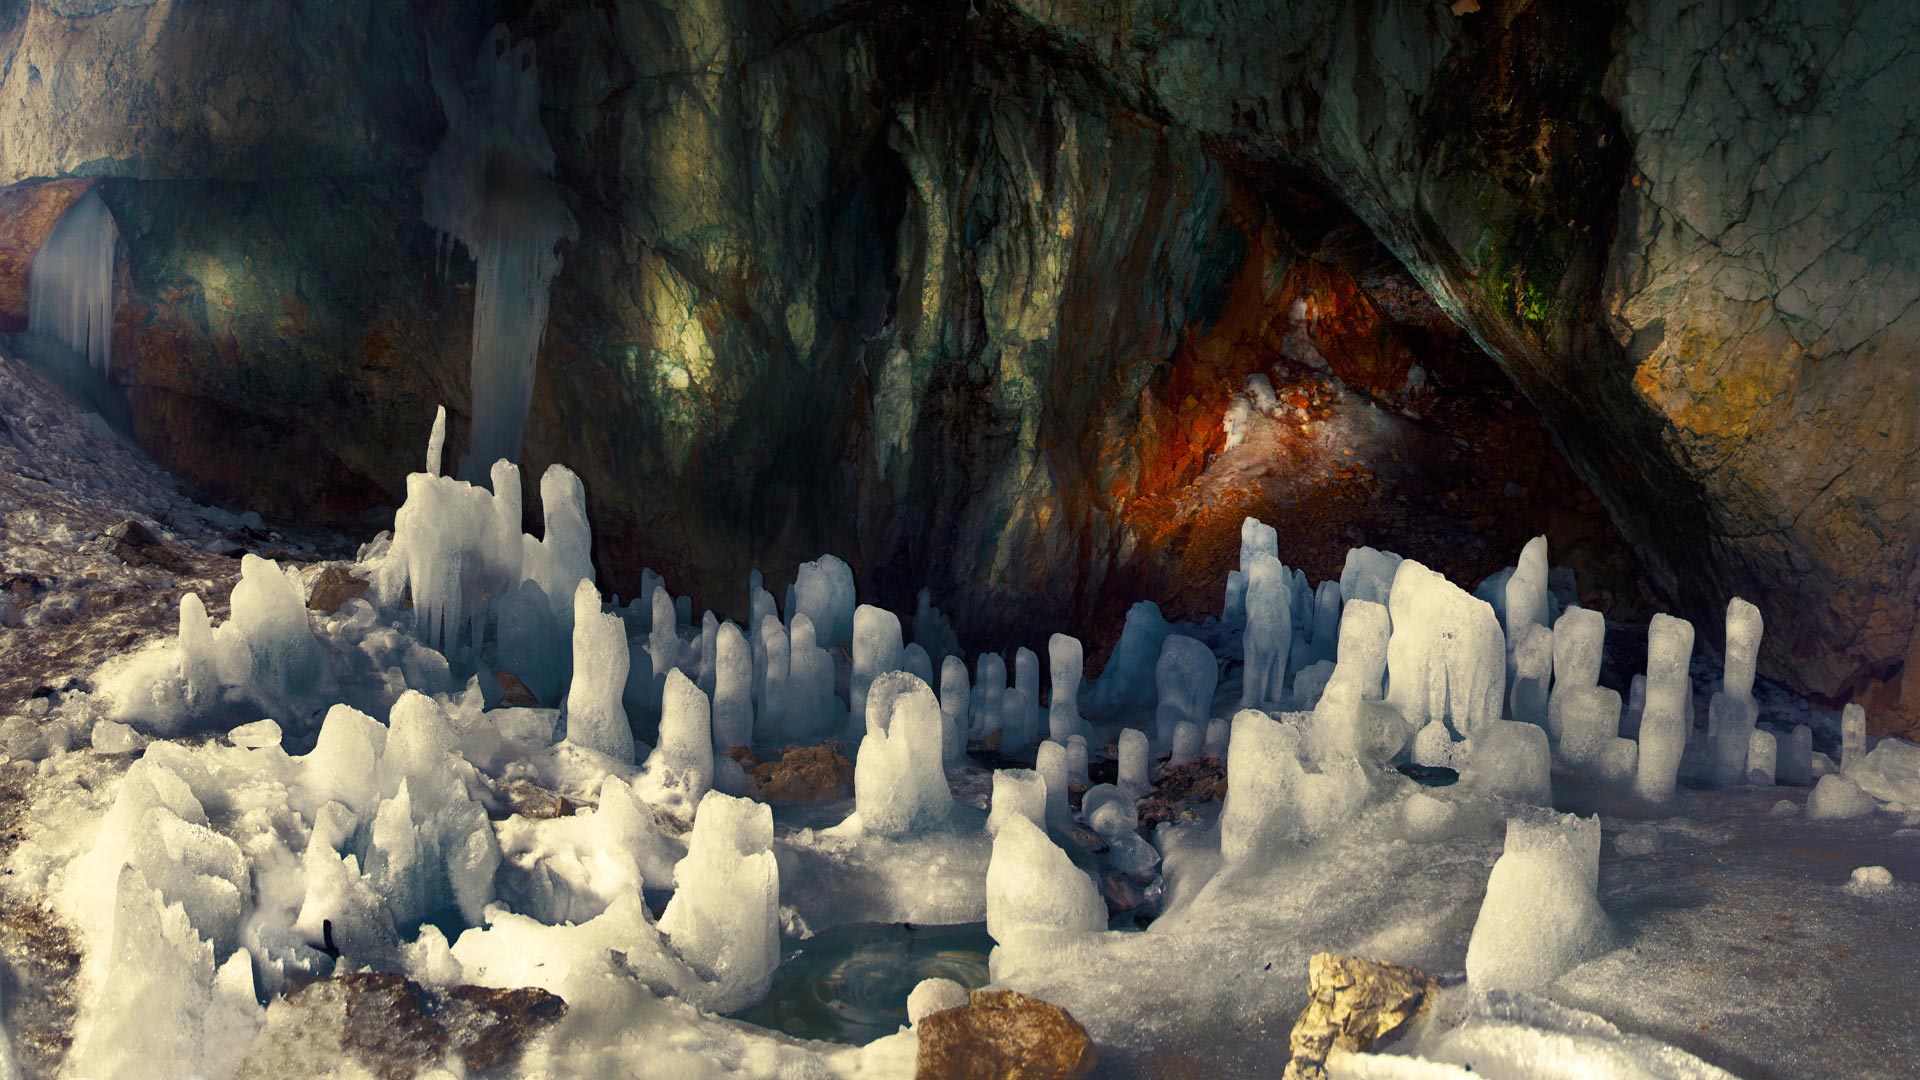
(922, 284)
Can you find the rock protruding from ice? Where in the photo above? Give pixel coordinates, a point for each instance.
(1447, 659)
(1663, 721)
(595, 717)
(1187, 675)
(899, 779)
(1067, 666)
(1542, 914)
(724, 918)
(1273, 799)
(1017, 793)
(1033, 888)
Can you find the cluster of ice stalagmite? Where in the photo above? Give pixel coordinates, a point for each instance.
(489, 189)
(224, 865)
(70, 286)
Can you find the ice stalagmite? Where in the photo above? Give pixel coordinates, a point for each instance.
(489, 188)
(955, 697)
(1134, 763)
(1541, 915)
(683, 761)
(1033, 888)
(1026, 678)
(1796, 759)
(1853, 735)
(70, 288)
(1732, 713)
(877, 650)
(772, 675)
(1126, 683)
(1050, 761)
(1663, 722)
(1578, 639)
(1067, 667)
(1017, 793)
(732, 689)
(1532, 675)
(813, 707)
(1187, 674)
(1526, 592)
(989, 686)
(1447, 659)
(724, 918)
(823, 592)
(1269, 639)
(899, 783)
(595, 717)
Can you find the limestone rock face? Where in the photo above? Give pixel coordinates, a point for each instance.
(1003, 1035)
(959, 291)
(1354, 1004)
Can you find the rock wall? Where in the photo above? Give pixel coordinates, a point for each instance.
(954, 289)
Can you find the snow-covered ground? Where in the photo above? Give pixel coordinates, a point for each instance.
(480, 771)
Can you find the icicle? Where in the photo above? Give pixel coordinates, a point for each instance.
(70, 289)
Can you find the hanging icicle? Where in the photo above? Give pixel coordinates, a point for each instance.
(70, 288)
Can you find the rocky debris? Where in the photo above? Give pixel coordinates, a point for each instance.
(530, 800)
(804, 774)
(514, 692)
(333, 587)
(1181, 787)
(1003, 1035)
(1354, 1004)
(397, 1028)
(134, 544)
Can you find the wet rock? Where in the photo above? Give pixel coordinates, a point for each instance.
(135, 545)
(397, 1029)
(514, 692)
(333, 587)
(1353, 1005)
(1003, 1035)
(804, 774)
(1179, 788)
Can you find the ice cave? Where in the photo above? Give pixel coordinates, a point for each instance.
(989, 539)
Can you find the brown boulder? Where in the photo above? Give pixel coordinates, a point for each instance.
(333, 588)
(1353, 1005)
(1003, 1035)
(134, 544)
(804, 774)
(514, 692)
(397, 1028)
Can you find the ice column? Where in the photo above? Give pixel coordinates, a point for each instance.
(1541, 915)
(1051, 763)
(1663, 723)
(1017, 793)
(1187, 675)
(1134, 763)
(732, 689)
(1853, 735)
(70, 288)
(1578, 640)
(899, 783)
(876, 650)
(489, 188)
(1065, 659)
(1269, 637)
(1732, 712)
(595, 717)
(954, 700)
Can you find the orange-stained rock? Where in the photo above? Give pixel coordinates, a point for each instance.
(334, 586)
(27, 214)
(1003, 1035)
(804, 774)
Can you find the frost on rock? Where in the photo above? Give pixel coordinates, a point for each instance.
(1663, 721)
(1889, 772)
(595, 717)
(899, 779)
(1269, 637)
(70, 287)
(1035, 891)
(1541, 915)
(724, 918)
(1446, 661)
(1067, 667)
(1187, 675)
(1836, 798)
(1273, 799)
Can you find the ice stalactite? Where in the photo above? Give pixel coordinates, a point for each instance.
(70, 289)
(489, 188)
